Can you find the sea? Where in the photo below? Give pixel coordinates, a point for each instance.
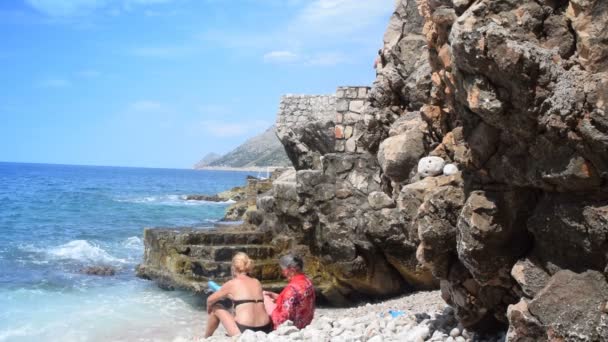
(56, 220)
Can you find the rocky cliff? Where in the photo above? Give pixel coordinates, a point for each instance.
(477, 162)
(511, 94)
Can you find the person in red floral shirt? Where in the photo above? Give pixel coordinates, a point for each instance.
(297, 300)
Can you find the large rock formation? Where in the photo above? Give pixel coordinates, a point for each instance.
(511, 93)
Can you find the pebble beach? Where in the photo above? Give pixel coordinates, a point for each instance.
(417, 317)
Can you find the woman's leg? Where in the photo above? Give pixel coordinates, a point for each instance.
(220, 314)
(212, 323)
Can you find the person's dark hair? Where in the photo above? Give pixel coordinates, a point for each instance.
(291, 261)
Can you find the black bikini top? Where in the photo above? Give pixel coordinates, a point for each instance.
(243, 301)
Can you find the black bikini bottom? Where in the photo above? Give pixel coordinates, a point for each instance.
(264, 328)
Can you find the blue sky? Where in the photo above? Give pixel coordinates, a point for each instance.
(160, 83)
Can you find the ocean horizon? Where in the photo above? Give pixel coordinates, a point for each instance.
(58, 219)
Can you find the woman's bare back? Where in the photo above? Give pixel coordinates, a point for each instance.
(251, 314)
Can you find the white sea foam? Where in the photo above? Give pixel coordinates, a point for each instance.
(169, 200)
(12, 333)
(133, 242)
(82, 250)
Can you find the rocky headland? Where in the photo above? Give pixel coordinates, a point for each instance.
(476, 164)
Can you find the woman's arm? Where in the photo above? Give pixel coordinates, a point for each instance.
(223, 292)
(272, 295)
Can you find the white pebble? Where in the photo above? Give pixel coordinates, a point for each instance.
(377, 338)
(430, 166)
(455, 332)
(450, 169)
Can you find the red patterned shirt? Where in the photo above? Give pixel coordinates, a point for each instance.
(295, 303)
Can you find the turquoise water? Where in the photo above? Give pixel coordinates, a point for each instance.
(57, 219)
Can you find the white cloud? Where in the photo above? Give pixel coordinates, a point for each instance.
(224, 129)
(67, 8)
(145, 106)
(338, 19)
(280, 57)
(54, 83)
(316, 26)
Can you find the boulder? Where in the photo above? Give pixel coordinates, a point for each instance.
(570, 306)
(529, 276)
(398, 155)
(431, 166)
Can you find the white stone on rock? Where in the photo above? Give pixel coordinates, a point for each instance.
(286, 330)
(430, 166)
(460, 339)
(420, 331)
(455, 332)
(377, 338)
(337, 331)
(260, 336)
(450, 169)
(247, 336)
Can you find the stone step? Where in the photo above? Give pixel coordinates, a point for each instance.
(215, 237)
(208, 269)
(225, 253)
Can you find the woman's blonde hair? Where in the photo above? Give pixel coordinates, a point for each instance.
(241, 263)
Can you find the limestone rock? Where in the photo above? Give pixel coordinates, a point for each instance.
(530, 277)
(430, 166)
(570, 305)
(523, 326)
(399, 154)
(380, 200)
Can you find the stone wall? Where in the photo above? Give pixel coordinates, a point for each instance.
(305, 126)
(351, 102)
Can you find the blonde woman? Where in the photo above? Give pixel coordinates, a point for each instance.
(246, 296)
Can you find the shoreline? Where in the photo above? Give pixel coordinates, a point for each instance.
(240, 169)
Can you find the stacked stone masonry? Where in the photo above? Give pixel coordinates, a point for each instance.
(351, 102)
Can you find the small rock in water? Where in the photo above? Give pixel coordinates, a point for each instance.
(450, 169)
(430, 166)
(99, 270)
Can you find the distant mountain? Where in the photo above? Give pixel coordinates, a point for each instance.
(207, 159)
(262, 150)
